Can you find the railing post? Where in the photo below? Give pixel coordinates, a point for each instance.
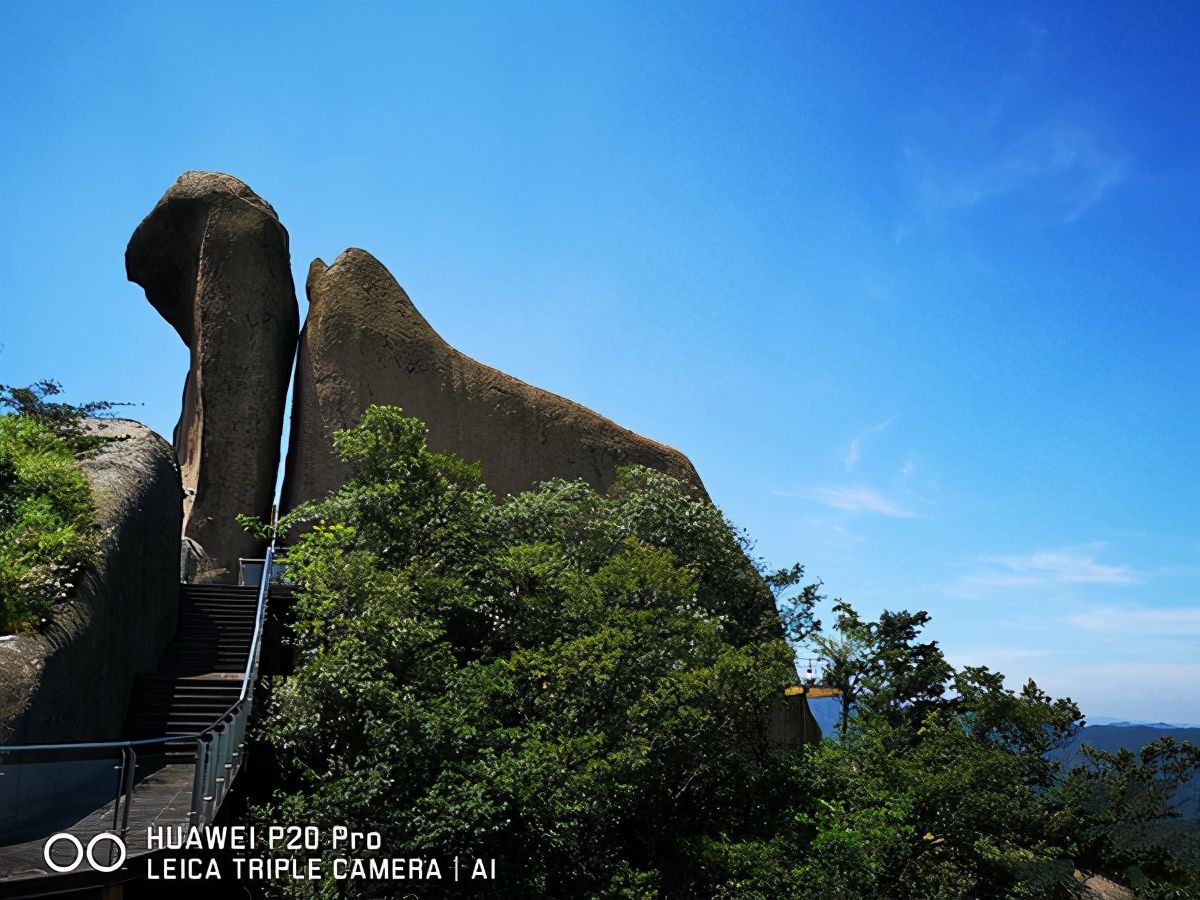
(230, 752)
(197, 813)
(210, 778)
(120, 790)
(219, 781)
(129, 779)
(239, 739)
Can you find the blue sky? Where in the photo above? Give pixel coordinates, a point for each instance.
(916, 286)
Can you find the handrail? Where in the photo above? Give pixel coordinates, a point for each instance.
(220, 747)
(259, 616)
(248, 676)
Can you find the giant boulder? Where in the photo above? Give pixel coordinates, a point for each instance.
(365, 343)
(213, 259)
(71, 681)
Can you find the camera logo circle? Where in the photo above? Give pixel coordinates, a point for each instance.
(89, 853)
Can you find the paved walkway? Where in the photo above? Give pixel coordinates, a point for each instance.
(161, 798)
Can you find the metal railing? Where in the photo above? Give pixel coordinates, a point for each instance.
(250, 570)
(220, 747)
(51, 783)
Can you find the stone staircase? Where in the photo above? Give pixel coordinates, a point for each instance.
(200, 675)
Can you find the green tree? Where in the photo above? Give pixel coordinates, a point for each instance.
(881, 665)
(1120, 812)
(63, 420)
(939, 807)
(575, 684)
(47, 534)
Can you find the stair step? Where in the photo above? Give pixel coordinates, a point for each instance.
(205, 706)
(190, 623)
(234, 589)
(186, 685)
(217, 705)
(214, 603)
(199, 677)
(225, 605)
(199, 690)
(242, 613)
(239, 612)
(194, 703)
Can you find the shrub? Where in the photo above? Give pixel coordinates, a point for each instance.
(47, 533)
(46, 528)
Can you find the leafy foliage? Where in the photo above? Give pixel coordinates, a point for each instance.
(63, 420)
(576, 684)
(1128, 825)
(880, 667)
(46, 531)
(572, 683)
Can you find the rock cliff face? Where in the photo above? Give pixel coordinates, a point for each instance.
(364, 342)
(213, 259)
(72, 681)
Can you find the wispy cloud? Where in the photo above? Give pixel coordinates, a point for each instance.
(1010, 143)
(1042, 570)
(1059, 167)
(854, 450)
(1139, 621)
(857, 499)
(1062, 567)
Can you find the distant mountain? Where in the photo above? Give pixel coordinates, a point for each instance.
(1130, 736)
(1123, 723)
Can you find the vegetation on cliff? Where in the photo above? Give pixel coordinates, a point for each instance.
(46, 528)
(576, 685)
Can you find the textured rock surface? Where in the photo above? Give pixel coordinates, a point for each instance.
(72, 681)
(364, 342)
(213, 259)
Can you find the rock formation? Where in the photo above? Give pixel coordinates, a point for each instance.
(364, 342)
(213, 259)
(124, 610)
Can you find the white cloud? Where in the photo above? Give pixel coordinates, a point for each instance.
(1054, 567)
(857, 499)
(1045, 570)
(853, 452)
(1067, 568)
(1060, 166)
(1138, 621)
(1013, 141)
